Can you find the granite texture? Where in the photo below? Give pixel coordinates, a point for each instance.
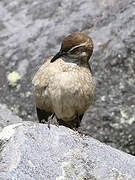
(7, 117)
(30, 151)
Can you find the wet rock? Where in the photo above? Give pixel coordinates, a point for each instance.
(32, 151)
(32, 30)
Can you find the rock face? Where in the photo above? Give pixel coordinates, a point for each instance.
(32, 151)
(7, 117)
(32, 30)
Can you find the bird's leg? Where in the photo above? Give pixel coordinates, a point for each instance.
(49, 119)
(52, 120)
(52, 116)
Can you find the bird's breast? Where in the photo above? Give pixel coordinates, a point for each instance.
(63, 88)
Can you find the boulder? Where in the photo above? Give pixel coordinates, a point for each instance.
(33, 151)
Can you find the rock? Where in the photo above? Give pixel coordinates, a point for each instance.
(7, 117)
(32, 151)
(22, 67)
(32, 30)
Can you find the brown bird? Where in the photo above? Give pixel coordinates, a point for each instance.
(63, 85)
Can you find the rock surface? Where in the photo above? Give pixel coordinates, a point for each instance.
(32, 151)
(7, 117)
(32, 30)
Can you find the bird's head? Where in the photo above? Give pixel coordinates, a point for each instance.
(76, 46)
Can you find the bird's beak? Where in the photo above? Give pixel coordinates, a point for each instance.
(59, 54)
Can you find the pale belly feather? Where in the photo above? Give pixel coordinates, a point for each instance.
(65, 93)
(71, 94)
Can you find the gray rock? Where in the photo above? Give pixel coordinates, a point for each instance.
(32, 30)
(32, 151)
(22, 67)
(7, 117)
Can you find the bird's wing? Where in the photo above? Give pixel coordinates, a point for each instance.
(42, 76)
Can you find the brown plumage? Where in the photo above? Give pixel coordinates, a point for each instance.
(63, 85)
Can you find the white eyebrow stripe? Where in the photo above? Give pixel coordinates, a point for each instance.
(83, 44)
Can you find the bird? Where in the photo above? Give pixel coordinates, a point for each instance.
(64, 85)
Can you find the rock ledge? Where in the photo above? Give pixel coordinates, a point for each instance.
(32, 151)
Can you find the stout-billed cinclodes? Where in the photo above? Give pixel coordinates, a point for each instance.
(63, 85)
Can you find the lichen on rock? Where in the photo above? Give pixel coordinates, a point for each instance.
(13, 78)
